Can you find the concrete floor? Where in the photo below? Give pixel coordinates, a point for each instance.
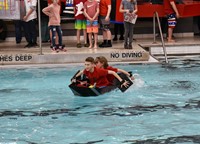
(12, 53)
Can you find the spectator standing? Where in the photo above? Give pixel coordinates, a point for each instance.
(30, 22)
(118, 27)
(53, 11)
(104, 20)
(3, 30)
(19, 29)
(44, 22)
(49, 3)
(172, 14)
(80, 22)
(128, 7)
(91, 11)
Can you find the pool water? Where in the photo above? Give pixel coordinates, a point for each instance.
(162, 106)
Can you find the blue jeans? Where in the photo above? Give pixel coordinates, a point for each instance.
(54, 30)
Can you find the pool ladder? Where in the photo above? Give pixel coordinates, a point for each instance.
(155, 16)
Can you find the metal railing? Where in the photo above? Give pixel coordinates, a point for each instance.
(155, 16)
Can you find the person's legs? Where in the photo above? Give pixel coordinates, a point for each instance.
(23, 24)
(78, 35)
(170, 32)
(78, 32)
(18, 31)
(104, 25)
(95, 31)
(56, 39)
(95, 40)
(171, 26)
(53, 36)
(27, 34)
(83, 27)
(126, 26)
(121, 30)
(109, 37)
(115, 32)
(44, 29)
(130, 35)
(85, 38)
(90, 40)
(33, 33)
(59, 32)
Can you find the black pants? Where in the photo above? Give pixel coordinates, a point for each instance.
(3, 28)
(30, 31)
(19, 28)
(118, 28)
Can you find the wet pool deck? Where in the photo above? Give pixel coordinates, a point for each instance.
(12, 53)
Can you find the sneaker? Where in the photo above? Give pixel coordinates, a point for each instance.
(130, 47)
(86, 45)
(54, 50)
(115, 38)
(126, 46)
(102, 45)
(34, 45)
(28, 45)
(62, 49)
(121, 38)
(78, 45)
(108, 45)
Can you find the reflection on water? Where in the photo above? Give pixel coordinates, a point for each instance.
(162, 106)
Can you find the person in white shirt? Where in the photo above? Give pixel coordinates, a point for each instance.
(30, 22)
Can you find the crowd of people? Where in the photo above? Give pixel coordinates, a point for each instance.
(90, 17)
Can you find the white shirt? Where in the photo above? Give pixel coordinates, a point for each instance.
(28, 5)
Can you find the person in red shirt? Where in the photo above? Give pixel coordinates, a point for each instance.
(80, 22)
(102, 62)
(91, 11)
(172, 14)
(98, 76)
(104, 20)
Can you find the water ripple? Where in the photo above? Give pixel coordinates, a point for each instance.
(118, 111)
(170, 140)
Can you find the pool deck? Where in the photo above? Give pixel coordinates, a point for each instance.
(15, 54)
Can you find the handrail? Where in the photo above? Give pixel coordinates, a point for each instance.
(161, 35)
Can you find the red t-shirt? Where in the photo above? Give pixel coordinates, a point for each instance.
(103, 7)
(111, 77)
(78, 9)
(167, 7)
(98, 76)
(91, 8)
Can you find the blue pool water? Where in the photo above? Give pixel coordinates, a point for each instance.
(162, 106)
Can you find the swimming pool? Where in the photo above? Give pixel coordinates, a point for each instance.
(162, 106)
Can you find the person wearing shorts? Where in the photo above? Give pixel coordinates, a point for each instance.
(80, 22)
(172, 15)
(91, 11)
(104, 20)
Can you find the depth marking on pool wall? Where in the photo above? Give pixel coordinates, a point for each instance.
(17, 57)
(128, 54)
